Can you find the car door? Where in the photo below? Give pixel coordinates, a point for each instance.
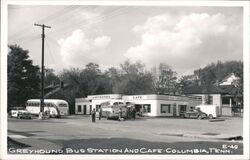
(193, 114)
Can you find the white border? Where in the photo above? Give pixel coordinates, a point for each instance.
(4, 29)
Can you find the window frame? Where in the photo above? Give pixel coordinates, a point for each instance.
(168, 108)
(79, 106)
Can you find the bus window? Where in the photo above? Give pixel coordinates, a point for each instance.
(62, 105)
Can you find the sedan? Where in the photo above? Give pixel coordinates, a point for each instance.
(194, 113)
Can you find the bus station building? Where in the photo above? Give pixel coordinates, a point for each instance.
(152, 105)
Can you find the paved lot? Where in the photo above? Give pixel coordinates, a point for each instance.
(78, 132)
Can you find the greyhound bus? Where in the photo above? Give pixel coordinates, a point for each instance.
(55, 107)
(110, 109)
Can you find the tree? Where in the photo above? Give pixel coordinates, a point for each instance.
(213, 73)
(23, 77)
(134, 79)
(50, 77)
(114, 78)
(165, 80)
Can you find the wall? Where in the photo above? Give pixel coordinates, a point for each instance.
(88, 110)
(153, 104)
(216, 98)
(172, 103)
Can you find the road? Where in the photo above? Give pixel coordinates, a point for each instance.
(75, 134)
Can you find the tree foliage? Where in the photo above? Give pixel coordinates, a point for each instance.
(165, 80)
(128, 78)
(134, 79)
(50, 77)
(214, 73)
(23, 77)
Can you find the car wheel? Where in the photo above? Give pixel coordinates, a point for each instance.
(199, 117)
(210, 116)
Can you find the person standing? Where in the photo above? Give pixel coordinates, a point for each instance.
(133, 113)
(120, 114)
(93, 115)
(100, 114)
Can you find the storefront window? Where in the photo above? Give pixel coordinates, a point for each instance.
(165, 108)
(79, 108)
(97, 108)
(183, 108)
(225, 100)
(146, 108)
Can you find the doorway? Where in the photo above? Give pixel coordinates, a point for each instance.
(84, 109)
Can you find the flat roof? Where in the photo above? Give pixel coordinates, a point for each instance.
(105, 96)
(138, 97)
(160, 97)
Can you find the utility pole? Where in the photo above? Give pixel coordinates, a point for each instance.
(41, 114)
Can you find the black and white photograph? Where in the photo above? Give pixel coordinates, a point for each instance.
(124, 79)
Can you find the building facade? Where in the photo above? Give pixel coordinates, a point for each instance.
(85, 105)
(221, 94)
(148, 105)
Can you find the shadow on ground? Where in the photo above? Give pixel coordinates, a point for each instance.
(14, 144)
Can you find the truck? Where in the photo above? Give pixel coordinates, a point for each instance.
(212, 111)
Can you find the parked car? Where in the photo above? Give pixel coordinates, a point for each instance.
(20, 113)
(14, 111)
(23, 115)
(194, 113)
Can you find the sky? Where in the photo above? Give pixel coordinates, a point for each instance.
(185, 38)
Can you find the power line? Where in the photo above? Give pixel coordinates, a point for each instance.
(104, 16)
(25, 40)
(101, 19)
(50, 53)
(22, 33)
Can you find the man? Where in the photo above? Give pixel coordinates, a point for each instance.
(100, 114)
(93, 115)
(133, 113)
(120, 114)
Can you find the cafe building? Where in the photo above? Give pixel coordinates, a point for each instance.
(152, 105)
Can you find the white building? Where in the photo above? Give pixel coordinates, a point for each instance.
(148, 105)
(221, 94)
(85, 105)
(231, 79)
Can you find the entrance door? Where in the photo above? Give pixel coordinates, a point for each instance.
(138, 109)
(84, 109)
(182, 109)
(174, 109)
(90, 109)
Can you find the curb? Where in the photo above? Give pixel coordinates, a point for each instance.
(215, 137)
(35, 143)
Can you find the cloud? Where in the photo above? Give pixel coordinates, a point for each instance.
(77, 50)
(187, 42)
